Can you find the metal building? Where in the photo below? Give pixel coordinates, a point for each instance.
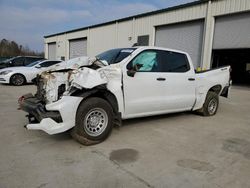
(213, 32)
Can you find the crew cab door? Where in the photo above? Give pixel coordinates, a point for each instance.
(179, 78)
(165, 83)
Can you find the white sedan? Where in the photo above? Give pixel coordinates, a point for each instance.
(20, 75)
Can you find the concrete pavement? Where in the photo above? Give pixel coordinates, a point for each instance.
(177, 150)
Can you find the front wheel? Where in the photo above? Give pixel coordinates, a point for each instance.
(17, 80)
(94, 121)
(210, 105)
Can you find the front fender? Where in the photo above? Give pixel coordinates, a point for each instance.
(88, 78)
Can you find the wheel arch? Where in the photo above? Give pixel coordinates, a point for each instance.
(200, 99)
(101, 93)
(216, 88)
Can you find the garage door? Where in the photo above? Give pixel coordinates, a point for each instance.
(52, 51)
(232, 32)
(187, 37)
(77, 48)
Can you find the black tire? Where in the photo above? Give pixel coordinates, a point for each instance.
(94, 121)
(210, 105)
(17, 79)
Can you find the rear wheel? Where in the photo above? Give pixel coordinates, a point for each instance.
(17, 79)
(210, 105)
(94, 121)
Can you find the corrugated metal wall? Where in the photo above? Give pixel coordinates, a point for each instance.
(101, 39)
(124, 33)
(222, 7)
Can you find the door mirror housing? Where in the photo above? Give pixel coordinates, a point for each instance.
(131, 73)
(134, 69)
(38, 66)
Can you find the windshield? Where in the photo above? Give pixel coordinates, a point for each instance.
(34, 63)
(115, 55)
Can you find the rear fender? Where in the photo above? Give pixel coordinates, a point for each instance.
(201, 94)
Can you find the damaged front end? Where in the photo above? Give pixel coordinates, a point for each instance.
(59, 92)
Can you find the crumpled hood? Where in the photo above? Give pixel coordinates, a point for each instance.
(74, 63)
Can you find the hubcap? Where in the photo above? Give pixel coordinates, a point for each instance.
(95, 122)
(17, 80)
(212, 106)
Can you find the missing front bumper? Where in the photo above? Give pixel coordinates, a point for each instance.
(36, 109)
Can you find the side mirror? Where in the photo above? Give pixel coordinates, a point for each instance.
(131, 73)
(134, 69)
(38, 66)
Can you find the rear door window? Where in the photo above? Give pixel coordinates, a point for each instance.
(172, 61)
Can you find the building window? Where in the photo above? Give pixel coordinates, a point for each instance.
(143, 40)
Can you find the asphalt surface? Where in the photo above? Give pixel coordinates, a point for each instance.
(177, 150)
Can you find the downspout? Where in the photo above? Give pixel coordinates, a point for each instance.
(208, 38)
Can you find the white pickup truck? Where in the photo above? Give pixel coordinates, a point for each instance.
(121, 84)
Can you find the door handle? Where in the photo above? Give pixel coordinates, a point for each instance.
(191, 79)
(161, 79)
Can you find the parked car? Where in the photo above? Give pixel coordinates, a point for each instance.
(3, 59)
(145, 81)
(19, 61)
(20, 75)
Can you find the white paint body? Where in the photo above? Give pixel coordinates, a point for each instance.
(141, 95)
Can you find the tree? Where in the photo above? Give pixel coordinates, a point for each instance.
(11, 48)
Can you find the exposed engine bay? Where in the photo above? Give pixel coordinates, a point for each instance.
(51, 85)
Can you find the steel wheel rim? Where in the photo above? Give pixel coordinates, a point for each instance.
(95, 122)
(17, 80)
(212, 106)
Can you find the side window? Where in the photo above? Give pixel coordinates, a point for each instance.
(146, 61)
(18, 61)
(29, 60)
(49, 63)
(172, 62)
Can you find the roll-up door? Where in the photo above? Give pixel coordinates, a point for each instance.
(186, 37)
(77, 48)
(232, 32)
(52, 51)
